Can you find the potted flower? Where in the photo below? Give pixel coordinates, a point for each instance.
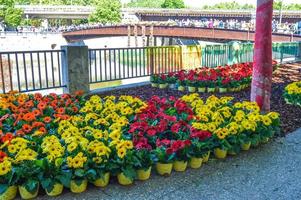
(200, 147)
(145, 160)
(220, 143)
(123, 162)
(181, 148)
(223, 84)
(171, 80)
(191, 81)
(164, 159)
(181, 80)
(8, 188)
(27, 178)
(154, 79)
(201, 84)
(52, 176)
(162, 81)
(77, 162)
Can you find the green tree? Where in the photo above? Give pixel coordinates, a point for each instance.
(277, 5)
(229, 6)
(9, 14)
(106, 11)
(173, 4)
(145, 3)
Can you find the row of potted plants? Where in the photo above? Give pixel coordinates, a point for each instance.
(292, 93)
(220, 79)
(73, 141)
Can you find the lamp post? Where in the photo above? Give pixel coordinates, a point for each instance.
(280, 12)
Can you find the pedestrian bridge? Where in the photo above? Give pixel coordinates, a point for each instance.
(172, 32)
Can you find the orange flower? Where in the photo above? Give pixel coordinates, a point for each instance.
(29, 104)
(37, 124)
(38, 96)
(13, 108)
(60, 110)
(47, 120)
(42, 105)
(36, 112)
(7, 137)
(29, 117)
(21, 100)
(75, 109)
(20, 133)
(43, 129)
(26, 128)
(79, 92)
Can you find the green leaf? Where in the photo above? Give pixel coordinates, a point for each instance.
(31, 185)
(3, 188)
(65, 178)
(79, 172)
(91, 174)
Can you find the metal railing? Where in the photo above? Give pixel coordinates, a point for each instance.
(27, 71)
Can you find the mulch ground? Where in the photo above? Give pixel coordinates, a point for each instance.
(290, 114)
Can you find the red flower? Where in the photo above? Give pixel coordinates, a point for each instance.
(2, 156)
(7, 137)
(151, 132)
(26, 128)
(42, 105)
(47, 120)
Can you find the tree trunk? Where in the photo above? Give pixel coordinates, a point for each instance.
(262, 69)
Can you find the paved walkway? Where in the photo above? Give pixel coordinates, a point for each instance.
(272, 171)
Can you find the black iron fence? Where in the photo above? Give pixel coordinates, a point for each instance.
(38, 70)
(26, 71)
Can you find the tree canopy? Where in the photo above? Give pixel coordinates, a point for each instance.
(107, 11)
(9, 14)
(229, 6)
(145, 3)
(173, 4)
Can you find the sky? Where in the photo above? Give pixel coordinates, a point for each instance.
(201, 3)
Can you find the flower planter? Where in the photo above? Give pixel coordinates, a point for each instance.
(163, 86)
(10, 193)
(57, 190)
(172, 86)
(164, 168)
(155, 84)
(210, 89)
(195, 163)
(78, 188)
(202, 89)
(220, 153)
(143, 175)
(179, 166)
(245, 146)
(181, 88)
(103, 181)
(25, 194)
(206, 157)
(222, 90)
(123, 180)
(191, 89)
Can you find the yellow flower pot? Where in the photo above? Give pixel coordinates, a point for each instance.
(78, 188)
(164, 168)
(219, 153)
(123, 180)
(245, 146)
(210, 89)
(195, 163)
(143, 175)
(191, 89)
(179, 166)
(10, 193)
(222, 90)
(206, 157)
(181, 88)
(201, 89)
(57, 190)
(103, 181)
(26, 194)
(162, 85)
(155, 84)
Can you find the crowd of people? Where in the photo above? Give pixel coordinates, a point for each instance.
(277, 27)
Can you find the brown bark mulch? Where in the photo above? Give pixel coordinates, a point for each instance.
(285, 74)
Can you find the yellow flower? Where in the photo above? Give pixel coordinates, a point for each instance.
(266, 120)
(273, 115)
(72, 146)
(5, 167)
(121, 152)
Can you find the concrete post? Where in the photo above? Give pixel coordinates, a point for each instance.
(129, 36)
(75, 68)
(143, 36)
(151, 36)
(136, 35)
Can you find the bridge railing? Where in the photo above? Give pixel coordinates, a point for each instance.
(27, 71)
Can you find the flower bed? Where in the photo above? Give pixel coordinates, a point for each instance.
(221, 79)
(74, 141)
(292, 93)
